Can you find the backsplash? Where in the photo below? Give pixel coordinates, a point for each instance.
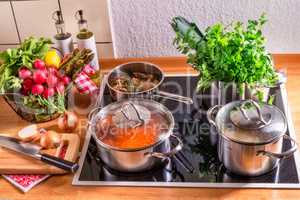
(142, 27)
(20, 19)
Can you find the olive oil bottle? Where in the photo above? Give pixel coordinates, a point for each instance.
(63, 40)
(86, 39)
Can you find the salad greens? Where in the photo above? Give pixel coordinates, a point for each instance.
(34, 106)
(12, 59)
(235, 53)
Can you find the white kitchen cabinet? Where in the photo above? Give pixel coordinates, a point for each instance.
(35, 17)
(8, 33)
(95, 11)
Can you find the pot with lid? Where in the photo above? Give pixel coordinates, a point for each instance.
(250, 136)
(133, 135)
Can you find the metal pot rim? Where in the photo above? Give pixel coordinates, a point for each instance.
(135, 93)
(162, 139)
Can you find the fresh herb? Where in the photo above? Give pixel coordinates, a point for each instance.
(12, 59)
(39, 105)
(234, 53)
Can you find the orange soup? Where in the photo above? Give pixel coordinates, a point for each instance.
(130, 138)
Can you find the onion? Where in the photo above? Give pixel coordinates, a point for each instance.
(68, 121)
(29, 133)
(50, 139)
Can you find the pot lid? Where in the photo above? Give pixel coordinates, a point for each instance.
(251, 123)
(132, 124)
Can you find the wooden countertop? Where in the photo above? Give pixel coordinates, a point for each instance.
(59, 187)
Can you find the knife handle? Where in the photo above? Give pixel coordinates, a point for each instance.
(60, 163)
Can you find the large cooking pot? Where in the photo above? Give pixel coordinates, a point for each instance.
(142, 67)
(250, 136)
(133, 114)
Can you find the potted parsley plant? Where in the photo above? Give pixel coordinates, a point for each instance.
(233, 55)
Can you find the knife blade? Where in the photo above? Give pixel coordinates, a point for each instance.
(34, 152)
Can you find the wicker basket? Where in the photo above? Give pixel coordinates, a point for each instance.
(28, 114)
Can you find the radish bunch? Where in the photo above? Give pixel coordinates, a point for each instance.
(42, 80)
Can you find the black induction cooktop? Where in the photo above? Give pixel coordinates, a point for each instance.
(197, 165)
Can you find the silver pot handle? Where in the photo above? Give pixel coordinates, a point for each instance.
(90, 115)
(258, 109)
(282, 155)
(170, 153)
(210, 114)
(175, 97)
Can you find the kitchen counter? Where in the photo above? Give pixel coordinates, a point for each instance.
(59, 187)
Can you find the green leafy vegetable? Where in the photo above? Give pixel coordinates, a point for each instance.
(12, 59)
(235, 53)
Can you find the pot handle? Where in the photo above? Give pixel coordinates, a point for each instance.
(258, 110)
(175, 97)
(90, 115)
(282, 155)
(170, 153)
(210, 114)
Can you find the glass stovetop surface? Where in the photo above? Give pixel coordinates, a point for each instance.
(198, 161)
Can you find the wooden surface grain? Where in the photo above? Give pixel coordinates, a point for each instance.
(59, 187)
(13, 163)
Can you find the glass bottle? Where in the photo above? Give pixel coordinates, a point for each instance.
(63, 39)
(86, 38)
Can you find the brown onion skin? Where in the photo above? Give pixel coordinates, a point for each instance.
(68, 122)
(50, 140)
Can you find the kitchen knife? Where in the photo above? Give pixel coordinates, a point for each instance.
(34, 152)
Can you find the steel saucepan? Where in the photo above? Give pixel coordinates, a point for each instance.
(135, 159)
(147, 68)
(250, 136)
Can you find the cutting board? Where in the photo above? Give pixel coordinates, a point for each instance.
(15, 163)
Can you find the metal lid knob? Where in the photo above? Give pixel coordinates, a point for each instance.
(248, 115)
(131, 115)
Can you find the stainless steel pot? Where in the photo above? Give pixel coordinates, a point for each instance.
(250, 136)
(142, 67)
(135, 159)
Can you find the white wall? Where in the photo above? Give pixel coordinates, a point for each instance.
(141, 27)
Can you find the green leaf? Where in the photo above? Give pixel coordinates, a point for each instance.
(235, 53)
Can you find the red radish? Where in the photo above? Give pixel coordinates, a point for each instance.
(48, 92)
(39, 64)
(37, 89)
(66, 80)
(53, 71)
(60, 88)
(52, 80)
(24, 73)
(40, 76)
(27, 83)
